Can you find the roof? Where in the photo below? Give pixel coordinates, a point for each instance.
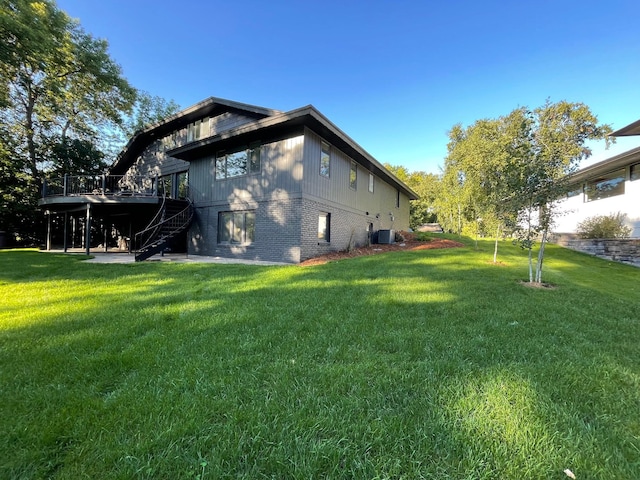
(268, 123)
(629, 130)
(605, 166)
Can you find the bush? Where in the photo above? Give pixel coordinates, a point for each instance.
(604, 226)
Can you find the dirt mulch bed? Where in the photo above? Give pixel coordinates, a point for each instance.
(409, 244)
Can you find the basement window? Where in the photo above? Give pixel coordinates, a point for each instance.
(324, 226)
(236, 228)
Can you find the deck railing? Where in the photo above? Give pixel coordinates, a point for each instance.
(120, 185)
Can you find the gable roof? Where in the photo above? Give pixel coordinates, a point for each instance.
(268, 124)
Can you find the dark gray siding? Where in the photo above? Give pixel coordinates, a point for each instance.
(281, 173)
(378, 207)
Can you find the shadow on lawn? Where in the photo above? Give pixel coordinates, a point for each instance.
(403, 364)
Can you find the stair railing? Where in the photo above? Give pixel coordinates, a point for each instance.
(175, 224)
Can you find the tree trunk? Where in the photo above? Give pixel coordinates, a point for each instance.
(543, 242)
(530, 266)
(495, 248)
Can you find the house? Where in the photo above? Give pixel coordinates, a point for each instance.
(227, 179)
(604, 188)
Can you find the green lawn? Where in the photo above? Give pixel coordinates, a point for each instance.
(421, 364)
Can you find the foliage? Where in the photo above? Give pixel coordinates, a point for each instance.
(604, 226)
(426, 186)
(421, 364)
(508, 172)
(64, 104)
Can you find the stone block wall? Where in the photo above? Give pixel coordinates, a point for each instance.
(626, 250)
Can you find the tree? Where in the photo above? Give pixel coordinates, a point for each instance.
(58, 85)
(557, 137)
(426, 186)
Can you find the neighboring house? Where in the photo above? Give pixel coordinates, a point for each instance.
(242, 181)
(604, 188)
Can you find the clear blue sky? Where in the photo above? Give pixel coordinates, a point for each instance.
(394, 75)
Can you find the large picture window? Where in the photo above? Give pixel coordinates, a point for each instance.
(238, 163)
(236, 228)
(608, 185)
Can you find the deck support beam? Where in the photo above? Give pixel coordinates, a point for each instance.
(87, 232)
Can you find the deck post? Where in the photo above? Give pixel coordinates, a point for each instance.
(48, 230)
(64, 185)
(87, 231)
(66, 223)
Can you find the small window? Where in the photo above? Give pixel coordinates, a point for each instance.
(324, 226)
(397, 198)
(353, 175)
(236, 228)
(608, 185)
(370, 182)
(325, 160)
(635, 172)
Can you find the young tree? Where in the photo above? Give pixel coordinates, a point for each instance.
(557, 137)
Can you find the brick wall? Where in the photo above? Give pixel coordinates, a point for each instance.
(346, 228)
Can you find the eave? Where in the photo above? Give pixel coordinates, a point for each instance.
(279, 125)
(606, 166)
(629, 130)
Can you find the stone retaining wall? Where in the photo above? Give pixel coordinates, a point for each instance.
(626, 250)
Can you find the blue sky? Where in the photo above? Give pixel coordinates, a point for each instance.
(394, 75)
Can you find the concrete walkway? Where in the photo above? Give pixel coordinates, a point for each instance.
(124, 257)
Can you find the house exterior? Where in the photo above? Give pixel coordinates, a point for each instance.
(262, 184)
(605, 188)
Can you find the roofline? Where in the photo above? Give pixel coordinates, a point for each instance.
(615, 162)
(307, 116)
(629, 130)
(183, 117)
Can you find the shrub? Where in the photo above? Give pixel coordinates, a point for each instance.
(604, 226)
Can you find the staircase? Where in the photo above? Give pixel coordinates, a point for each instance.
(172, 219)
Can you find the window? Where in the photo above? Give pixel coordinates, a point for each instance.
(370, 182)
(635, 172)
(238, 163)
(324, 226)
(183, 185)
(353, 175)
(608, 185)
(574, 191)
(397, 198)
(325, 160)
(236, 228)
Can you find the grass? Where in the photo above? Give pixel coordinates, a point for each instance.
(420, 364)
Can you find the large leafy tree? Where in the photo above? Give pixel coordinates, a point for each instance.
(59, 89)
